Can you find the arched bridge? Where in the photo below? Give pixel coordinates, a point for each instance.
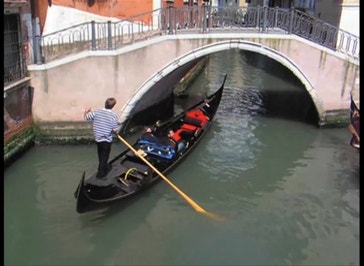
(142, 73)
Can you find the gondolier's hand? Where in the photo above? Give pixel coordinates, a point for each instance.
(88, 110)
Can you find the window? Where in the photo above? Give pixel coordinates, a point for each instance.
(14, 61)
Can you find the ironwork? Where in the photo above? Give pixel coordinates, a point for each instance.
(14, 57)
(193, 19)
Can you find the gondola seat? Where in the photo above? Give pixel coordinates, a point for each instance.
(196, 118)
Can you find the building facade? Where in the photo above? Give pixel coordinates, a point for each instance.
(17, 55)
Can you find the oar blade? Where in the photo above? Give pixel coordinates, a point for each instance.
(213, 216)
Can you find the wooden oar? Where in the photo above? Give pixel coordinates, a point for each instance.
(188, 199)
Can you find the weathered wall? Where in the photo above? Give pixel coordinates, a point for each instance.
(62, 92)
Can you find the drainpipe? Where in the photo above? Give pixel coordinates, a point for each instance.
(37, 52)
(93, 36)
(109, 35)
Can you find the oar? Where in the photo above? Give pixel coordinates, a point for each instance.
(188, 199)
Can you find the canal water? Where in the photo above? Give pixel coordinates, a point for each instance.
(287, 190)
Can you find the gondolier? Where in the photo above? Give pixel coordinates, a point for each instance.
(105, 123)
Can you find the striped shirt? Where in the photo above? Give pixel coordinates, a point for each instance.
(104, 122)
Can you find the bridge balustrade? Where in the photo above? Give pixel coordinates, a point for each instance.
(192, 20)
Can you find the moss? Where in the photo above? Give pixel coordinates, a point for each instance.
(335, 119)
(17, 145)
(46, 133)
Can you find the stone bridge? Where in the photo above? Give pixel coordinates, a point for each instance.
(144, 73)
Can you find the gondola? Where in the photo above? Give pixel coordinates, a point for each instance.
(151, 156)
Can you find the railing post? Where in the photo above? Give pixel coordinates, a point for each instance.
(170, 30)
(109, 35)
(206, 14)
(291, 20)
(131, 32)
(258, 17)
(276, 16)
(93, 36)
(265, 9)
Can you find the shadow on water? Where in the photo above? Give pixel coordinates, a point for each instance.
(282, 93)
(294, 105)
(108, 211)
(271, 68)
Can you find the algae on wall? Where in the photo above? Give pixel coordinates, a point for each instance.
(17, 145)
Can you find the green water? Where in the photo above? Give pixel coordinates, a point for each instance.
(289, 193)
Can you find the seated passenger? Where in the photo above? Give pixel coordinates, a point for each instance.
(157, 125)
(153, 129)
(181, 143)
(150, 132)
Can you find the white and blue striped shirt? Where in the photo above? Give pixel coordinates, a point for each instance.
(104, 122)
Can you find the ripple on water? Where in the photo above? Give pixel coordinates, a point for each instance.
(285, 202)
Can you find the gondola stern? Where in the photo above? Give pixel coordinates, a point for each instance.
(80, 184)
(80, 195)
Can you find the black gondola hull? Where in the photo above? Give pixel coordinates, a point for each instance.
(130, 174)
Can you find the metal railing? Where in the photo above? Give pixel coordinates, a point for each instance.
(195, 20)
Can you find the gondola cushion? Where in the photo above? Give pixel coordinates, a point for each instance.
(163, 151)
(196, 117)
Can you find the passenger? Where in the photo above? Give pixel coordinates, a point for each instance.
(157, 124)
(181, 143)
(153, 129)
(148, 130)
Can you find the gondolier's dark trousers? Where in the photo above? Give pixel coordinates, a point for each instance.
(103, 152)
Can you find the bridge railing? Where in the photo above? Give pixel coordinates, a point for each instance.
(96, 36)
(113, 35)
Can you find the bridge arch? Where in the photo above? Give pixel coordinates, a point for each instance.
(135, 103)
